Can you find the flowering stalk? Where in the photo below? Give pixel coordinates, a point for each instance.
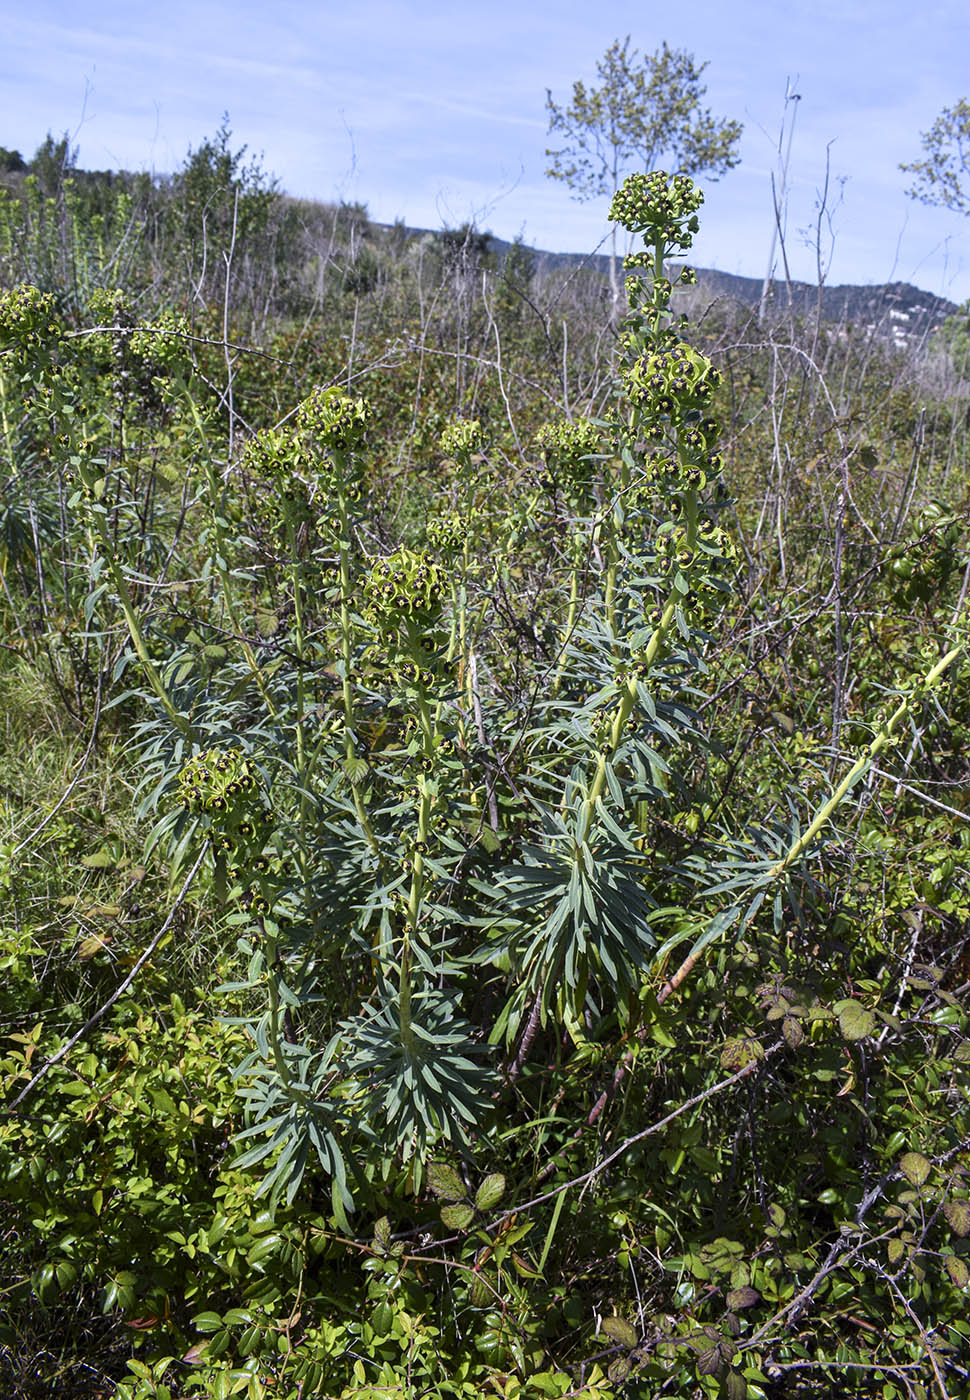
(668, 386)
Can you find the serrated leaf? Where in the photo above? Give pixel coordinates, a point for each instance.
(856, 1021)
(490, 1192)
(710, 1362)
(736, 1387)
(356, 769)
(958, 1271)
(382, 1235)
(744, 1297)
(739, 1052)
(915, 1167)
(792, 1032)
(445, 1182)
(957, 1214)
(457, 1217)
(895, 1250)
(620, 1330)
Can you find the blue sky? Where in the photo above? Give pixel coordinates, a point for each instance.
(436, 113)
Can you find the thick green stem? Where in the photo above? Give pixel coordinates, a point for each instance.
(296, 584)
(416, 893)
(5, 420)
(220, 559)
(276, 1039)
(134, 627)
(346, 652)
(862, 764)
(609, 529)
(628, 693)
(572, 611)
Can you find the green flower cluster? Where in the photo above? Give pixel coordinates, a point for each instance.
(220, 783)
(403, 591)
(659, 204)
(28, 322)
(673, 551)
(645, 259)
(460, 437)
(141, 357)
(668, 387)
(714, 541)
(447, 533)
(298, 461)
(163, 344)
(670, 390)
(568, 452)
(332, 420)
(272, 454)
(108, 307)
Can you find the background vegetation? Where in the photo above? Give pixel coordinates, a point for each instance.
(484, 823)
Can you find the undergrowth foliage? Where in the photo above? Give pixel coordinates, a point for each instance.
(512, 1059)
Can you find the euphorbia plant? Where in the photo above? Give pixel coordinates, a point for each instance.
(363, 745)
(397, 927)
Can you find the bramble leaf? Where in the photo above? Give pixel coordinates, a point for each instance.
(915, 1167)
(457, 1217)
(620, 1331)
(957, 1213)
(445, 1182)
(490, 1192)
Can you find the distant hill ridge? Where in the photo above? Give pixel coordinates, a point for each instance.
(897, 311)
(905, 312)
(902, 311)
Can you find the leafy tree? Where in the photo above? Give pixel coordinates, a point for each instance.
(11, 160)
(644, 110)
(519, 266)
(219, 200)
(53, 162)
(464, 249)
(943, 175)
(518, 273)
